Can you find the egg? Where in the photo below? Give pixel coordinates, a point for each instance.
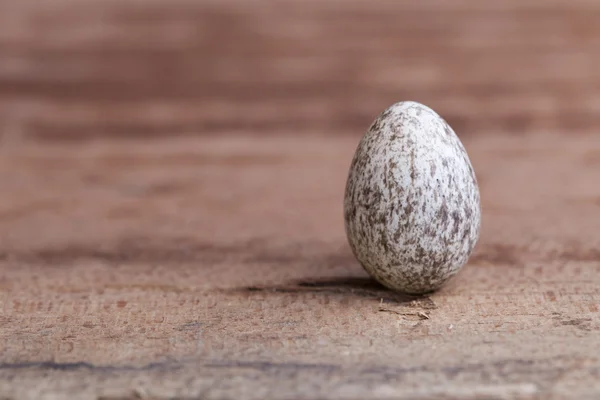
(412, 206)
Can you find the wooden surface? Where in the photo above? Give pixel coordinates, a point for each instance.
(171, 183)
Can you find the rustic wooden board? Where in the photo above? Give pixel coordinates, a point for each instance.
(171, 182)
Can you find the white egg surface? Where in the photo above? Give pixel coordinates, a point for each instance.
(411, 208)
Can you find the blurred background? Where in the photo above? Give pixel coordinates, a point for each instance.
(74, 70)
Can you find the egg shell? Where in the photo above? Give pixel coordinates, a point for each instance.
(412, 205)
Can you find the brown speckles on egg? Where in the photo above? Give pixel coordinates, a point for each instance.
(411, 206)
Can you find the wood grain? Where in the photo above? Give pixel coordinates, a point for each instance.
(171, 184)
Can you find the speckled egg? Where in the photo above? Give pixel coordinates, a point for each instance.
(411, 208)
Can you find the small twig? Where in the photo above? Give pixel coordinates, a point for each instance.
(419, 314)
(423, 315)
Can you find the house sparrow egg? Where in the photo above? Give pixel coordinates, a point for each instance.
(411, 208)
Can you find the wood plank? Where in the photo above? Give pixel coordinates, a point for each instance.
(171, 183)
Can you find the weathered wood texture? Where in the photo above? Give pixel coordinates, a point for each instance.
(171, 183)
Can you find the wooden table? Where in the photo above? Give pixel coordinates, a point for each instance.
(171, 184)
